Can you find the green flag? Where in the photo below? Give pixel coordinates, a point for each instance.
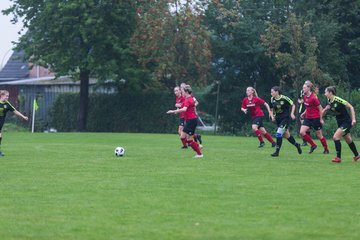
(36, 105)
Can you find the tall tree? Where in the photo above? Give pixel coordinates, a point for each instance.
(83, 38)
(335, 25)
(294, 51)
(171, 39)
(238, 55)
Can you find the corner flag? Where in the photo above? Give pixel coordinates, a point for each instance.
(36, 106)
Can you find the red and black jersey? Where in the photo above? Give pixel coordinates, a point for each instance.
(190, 111)
(312, 106)
(181, 100)
(253, 106)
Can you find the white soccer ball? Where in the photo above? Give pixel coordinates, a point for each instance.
(119, 151)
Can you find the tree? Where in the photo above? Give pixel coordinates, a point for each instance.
(238, 55)
(294, 51)
(335, 25)
(81, 38)
(171, 40)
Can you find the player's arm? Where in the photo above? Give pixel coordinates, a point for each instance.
(352, 111)
(325, 110)
(292, 114)
(243, 107)
(272, 114)
(268, 109)
(19, 114)
(291, 103)
(271, 106)
(321, 113)
(195, 102)
(303, 114)
(180, 110)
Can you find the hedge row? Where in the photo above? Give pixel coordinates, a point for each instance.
(125, 112)
(145, 112)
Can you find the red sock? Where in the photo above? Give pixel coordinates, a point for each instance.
(194, 145)
(309, 140)
(323, 142)
(258, 134)
(183, 140)
(268, 137)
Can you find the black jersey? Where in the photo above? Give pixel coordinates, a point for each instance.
(338, 108)
(5, 107)
(281, 106)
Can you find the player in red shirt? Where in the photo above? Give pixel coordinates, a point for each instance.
(252, 105)
(179, 103)
(312, 118)
(197, 137)
(190, 120)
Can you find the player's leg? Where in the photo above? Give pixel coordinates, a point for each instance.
(292, 140)
(304, 142)
(182, 134)
(352, 146)
(267, 136)
(323, 141)
(337, 136)
(189, 129)
(279, 137)
(303, 129)
(257, 132)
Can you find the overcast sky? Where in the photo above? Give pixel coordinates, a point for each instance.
(8, 33)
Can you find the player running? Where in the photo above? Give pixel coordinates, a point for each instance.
(5, 107)
(190, 120)
(179, 103)
(197, 137)
(283, 110)
(252, 104)
(312, 118)
(339, 107)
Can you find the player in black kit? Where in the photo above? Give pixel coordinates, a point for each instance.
(5, 107)
(339, 107)
(283, 110)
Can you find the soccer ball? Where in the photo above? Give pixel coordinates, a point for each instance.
(119, 151)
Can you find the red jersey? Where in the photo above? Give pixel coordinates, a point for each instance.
(312, 103)
(181, 100)
(253, 106)
(190, 111)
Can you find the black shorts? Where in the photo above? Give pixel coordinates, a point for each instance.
(258, 121)
(313, 123)
(190, 126)
(345, 126)
(182, 122)
(283, 122)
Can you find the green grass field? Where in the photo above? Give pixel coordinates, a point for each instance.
(71, 186)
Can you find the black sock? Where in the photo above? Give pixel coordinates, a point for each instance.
(278, 144)
(338, 148)
(353, 148)
(291, 140)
